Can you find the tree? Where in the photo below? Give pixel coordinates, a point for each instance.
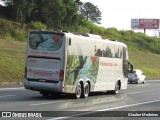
(50, 12)
(91, 12)
(20, 9)
(71, 8)
(56, 14)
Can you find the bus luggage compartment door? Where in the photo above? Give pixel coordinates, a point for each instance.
(43, 69)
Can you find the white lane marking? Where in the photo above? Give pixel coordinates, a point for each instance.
(107, 109)
(49, 103)
(19, 88)
(134, 93)
(139, 92)
(7, 96)
(59, 118)
(131, 105)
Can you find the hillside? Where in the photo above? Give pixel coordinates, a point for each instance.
(135, 41)
(147, 62)
(12, 54)
(144, 51)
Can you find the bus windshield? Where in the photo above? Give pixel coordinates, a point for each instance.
(45, 41)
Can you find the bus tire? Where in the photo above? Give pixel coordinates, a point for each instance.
(56, 94)
(44, 94)
(144, 82)
(86, 90)
(116, 91)
(78, 91)
(138, 81)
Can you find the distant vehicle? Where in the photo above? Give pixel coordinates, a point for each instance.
(59, 62)
(136, 76)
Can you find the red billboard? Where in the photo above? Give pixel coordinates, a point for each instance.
(145, 23)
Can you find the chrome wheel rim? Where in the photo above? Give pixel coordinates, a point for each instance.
(86, 90)
(78, 90)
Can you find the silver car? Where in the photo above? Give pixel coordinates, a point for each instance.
(136, 76)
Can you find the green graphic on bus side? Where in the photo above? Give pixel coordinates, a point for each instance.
(79, 67)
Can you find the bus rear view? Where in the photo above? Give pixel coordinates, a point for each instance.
(44, 67)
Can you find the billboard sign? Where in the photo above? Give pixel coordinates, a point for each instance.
(145, 23)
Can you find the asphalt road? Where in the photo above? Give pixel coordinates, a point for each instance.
(137, 101)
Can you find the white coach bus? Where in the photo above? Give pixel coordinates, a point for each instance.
(74, 63)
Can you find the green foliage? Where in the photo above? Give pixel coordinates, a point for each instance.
(147, 62)
(12, 54)
(91, 12)
(37, 26)
(134, 41)
(55, 13)
(21, 10)
(112, 33)
(12, 30)
(5, 25)
(90, 27)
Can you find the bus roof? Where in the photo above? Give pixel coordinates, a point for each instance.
(86, 35)
(95, 38)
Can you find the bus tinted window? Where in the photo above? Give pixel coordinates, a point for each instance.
(45, 41)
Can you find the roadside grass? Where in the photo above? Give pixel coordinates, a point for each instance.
(12, 54)
(149, 63)
(12, 61)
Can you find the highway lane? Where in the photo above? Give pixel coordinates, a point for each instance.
(135, 98)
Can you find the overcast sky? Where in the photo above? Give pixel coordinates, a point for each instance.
(118, 13)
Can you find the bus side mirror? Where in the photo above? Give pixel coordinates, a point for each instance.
(69, 41)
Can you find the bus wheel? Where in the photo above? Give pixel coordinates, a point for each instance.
(86, 90)
(116, 89)
(78, 91)
(45, 94)
(138, 81)
(56, 94)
